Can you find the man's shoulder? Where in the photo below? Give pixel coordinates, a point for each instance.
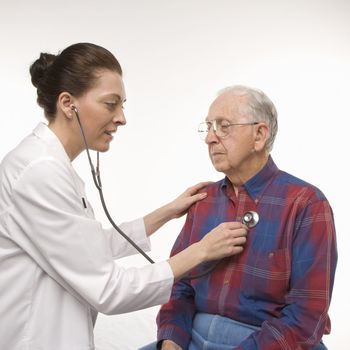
(298, 185)
(213, 188)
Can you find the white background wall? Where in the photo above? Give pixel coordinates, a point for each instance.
(176, 55)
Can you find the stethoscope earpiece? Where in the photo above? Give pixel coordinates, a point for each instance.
(73, 108)
(250, 219)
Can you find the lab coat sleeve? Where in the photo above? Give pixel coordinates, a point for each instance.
(48, 221)
(135, 230)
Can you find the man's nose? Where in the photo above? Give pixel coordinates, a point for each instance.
(211, 136)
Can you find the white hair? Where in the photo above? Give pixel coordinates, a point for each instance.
(258, 106)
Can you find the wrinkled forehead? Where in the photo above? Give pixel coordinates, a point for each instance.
(228, 105)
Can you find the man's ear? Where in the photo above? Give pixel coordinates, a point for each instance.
(262, 133)
(64, 103)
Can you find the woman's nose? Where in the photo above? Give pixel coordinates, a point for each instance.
(119, 117)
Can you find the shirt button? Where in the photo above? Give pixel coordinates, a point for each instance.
(271, 255)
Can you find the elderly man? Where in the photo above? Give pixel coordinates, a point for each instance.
(276, 293)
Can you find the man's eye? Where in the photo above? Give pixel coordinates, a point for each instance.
(224, 125)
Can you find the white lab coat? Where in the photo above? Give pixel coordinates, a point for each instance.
(56, 261)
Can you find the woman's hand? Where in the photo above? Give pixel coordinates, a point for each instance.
(181, 204)
(178, 207)
(170, 345)
(224, 240)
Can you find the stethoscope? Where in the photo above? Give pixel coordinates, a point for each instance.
(250, 218)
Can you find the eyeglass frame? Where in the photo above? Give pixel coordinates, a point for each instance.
(214, 125)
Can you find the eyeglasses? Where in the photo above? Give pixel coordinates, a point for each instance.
(221, 127)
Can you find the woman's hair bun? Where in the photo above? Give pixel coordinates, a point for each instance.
(74, 70)
(40, 67)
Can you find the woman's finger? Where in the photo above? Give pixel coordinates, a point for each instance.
(197, 187)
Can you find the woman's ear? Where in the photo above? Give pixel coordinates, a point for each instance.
(64, 104)
(261, 136)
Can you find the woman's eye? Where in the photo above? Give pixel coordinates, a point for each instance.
(111, 105)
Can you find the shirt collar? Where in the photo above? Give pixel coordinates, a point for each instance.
(256, 185)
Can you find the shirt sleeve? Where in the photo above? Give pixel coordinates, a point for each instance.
(174, 319)
(304, 319)
(47, 221)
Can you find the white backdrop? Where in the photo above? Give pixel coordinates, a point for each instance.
(175, 56)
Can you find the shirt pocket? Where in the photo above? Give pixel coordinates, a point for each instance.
(266, 276)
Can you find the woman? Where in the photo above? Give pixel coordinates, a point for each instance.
(57, 267)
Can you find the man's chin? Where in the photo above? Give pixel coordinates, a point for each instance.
(219, 167)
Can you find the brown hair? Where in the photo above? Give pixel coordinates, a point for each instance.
(73, 70)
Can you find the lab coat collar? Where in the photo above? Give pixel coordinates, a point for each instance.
(43, 132)
(46, 135)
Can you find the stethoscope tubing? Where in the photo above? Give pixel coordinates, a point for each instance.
(98, 184)
(250, 218)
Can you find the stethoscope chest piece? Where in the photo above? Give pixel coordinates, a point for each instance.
(250, 219)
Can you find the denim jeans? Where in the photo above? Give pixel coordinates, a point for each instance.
(214, 332)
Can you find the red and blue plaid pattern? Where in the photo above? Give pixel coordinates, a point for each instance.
(281, 282)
